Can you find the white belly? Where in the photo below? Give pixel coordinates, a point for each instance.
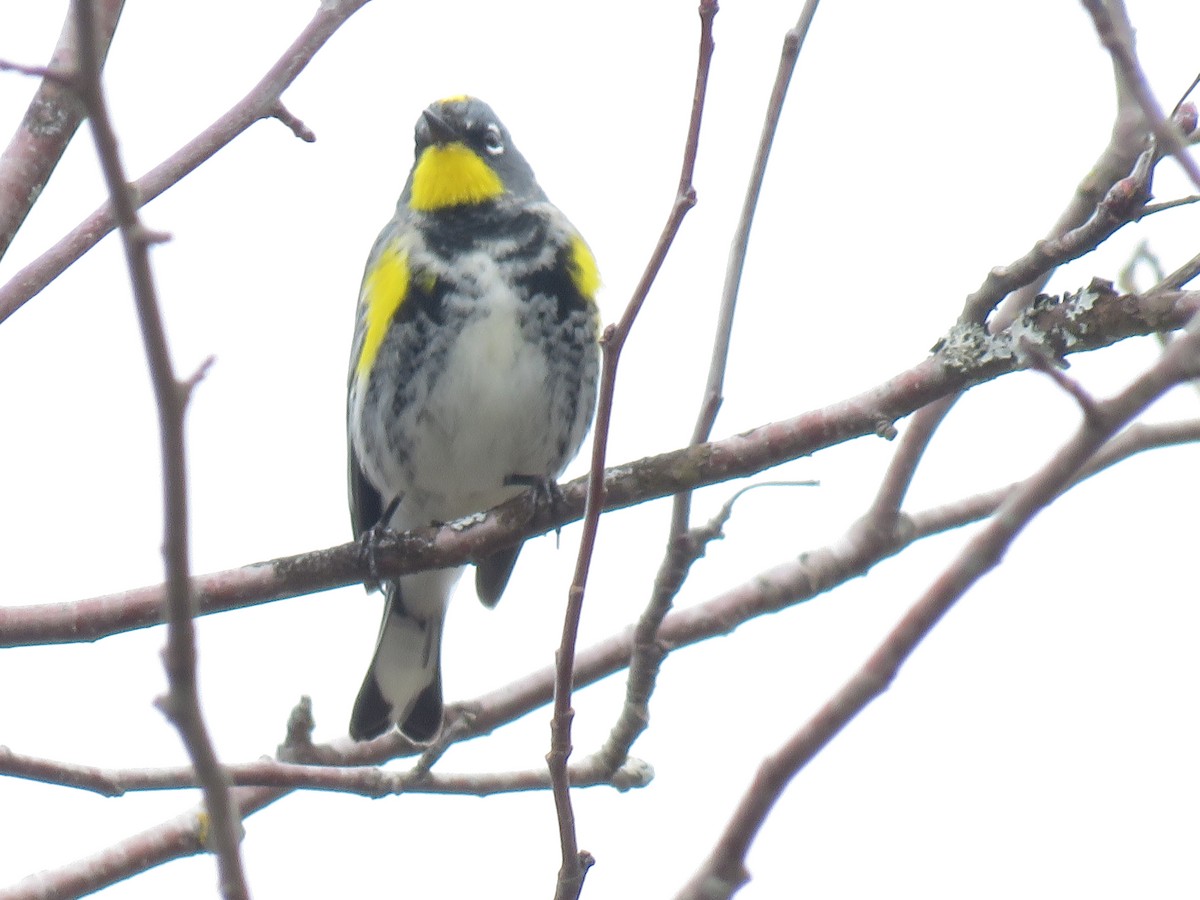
(487, 417)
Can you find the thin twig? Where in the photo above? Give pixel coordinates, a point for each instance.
(974, 358)
(793, 42)
(298, 128)
(681, 552)
(1042, 362)
(366, 781)
(1151, 208)
(259, 103)
(57, 77)
(1183, 99)
(49, 123)
(724, 871)
(1122, 204)
(1135, 439)
(798, 580)
(903, 467)
(574, 863)
(182, 703)
(1126, 142)
(813, 573)
(1177, 279)
(1116, 34)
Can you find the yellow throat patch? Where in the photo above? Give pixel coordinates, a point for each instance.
(452, 175)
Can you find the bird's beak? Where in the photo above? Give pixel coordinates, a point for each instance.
(440, 131)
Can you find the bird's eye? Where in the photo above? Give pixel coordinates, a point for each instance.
(493, 141)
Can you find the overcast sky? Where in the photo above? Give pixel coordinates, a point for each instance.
(1041, 743)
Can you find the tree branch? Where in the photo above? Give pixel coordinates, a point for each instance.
(182, 704)
(49, 124)
(362, 780)
(1126, 142)
(1122, 203)
(683, 548)
(724, 872)
(798, 580)
(1116, 34)
(966, 357)
(574, 863)
(261, 102)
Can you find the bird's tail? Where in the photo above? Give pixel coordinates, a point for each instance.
(404, 684)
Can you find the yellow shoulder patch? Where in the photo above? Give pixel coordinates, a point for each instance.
(384, 289)
(452, 175)
(582, 265)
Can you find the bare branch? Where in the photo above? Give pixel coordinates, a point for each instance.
(260, 103)
(1135, 439)
(723, 873)
(1116, 34)
(793, 582)
(1151, 208)
(173, 839)
(966, 358)
(50, 122)
(793, 42)
(1122, 204)
(298, 128)
(575, 863)
(182, 703)
(1177, 279)
(900, 472)
(362, 780)
(56, 77)
(682, 551)
(1042, 362)
(1125, 144)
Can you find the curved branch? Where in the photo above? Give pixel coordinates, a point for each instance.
(967, 357)
(1116, 34)
(575, 863)
(796, 581)
(182, 703)
(724, 871)
(681, 550)
(261, 102)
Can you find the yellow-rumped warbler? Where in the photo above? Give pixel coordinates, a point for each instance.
(473, 373)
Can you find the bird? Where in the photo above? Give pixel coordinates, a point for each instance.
(473, 377)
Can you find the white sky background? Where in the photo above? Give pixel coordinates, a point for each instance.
(1041, 743)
